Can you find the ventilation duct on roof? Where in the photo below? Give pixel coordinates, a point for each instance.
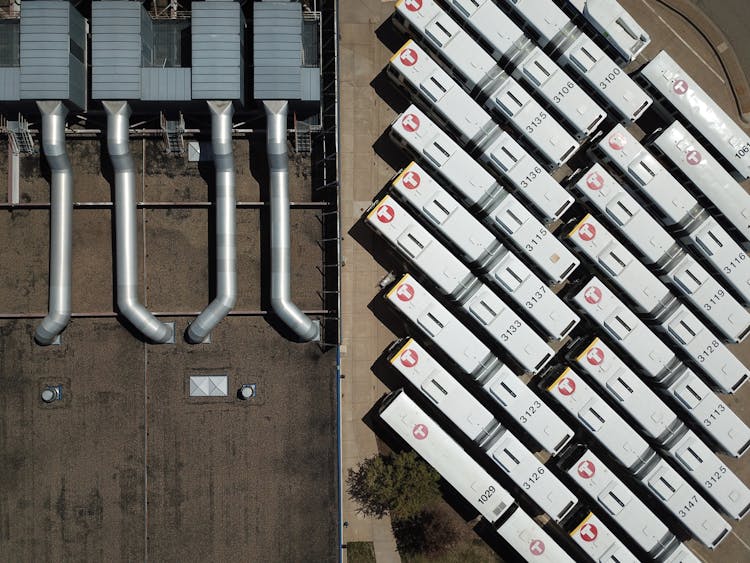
(226, 274)
(61, 222)
(118, 121)
(278, 166)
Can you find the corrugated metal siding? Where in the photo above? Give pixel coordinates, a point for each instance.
(10, 84)
(45, 48)
(167, 84)
(310, 78)
(217, 29)
(277, 48)
(117, 50)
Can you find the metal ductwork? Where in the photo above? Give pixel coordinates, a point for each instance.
(118, 122)
(61, 222)
(226, 255)
(278, 165)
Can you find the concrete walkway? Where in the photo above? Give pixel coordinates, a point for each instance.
(364, 117)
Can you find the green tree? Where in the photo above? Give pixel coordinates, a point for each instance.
(401, 485)
(431, 533)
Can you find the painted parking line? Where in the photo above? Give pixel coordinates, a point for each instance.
(678, 36)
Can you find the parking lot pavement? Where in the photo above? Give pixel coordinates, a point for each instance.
(365, 116)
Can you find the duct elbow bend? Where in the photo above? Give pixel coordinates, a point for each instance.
(144, 322)
(226, 302)
(51, 327)
(216, 312)
(305, 328)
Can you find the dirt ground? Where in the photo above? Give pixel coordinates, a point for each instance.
(127, 467)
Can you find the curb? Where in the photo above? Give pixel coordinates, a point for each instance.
(722, 49)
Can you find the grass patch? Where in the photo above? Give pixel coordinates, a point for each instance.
(468, 551)
(360, 552)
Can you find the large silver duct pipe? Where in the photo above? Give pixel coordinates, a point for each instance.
(278, 165)
(118, 121)
(226, 255)
(61, 222)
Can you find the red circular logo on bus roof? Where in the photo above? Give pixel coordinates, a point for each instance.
(680, 87)
(595, 356)
(536, 547)
(411, 180)
(413, 5)
(410, 122)
(693, 157)
(617, 141)
(586, 469)
(385, 213)
(587, 232)
(420, 431)
(594, 181)
(566, 387)
(409, 358)
(588, 532)
(593, 295)
(408, 57)
(405, 292)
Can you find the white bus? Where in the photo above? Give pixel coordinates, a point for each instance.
(528, 64)
(652, 298)
(678, 208)
(599, 543)
(514, 104)
(474, 243)
(455, 281)
(658, 248)
(681, 499)
(659, 422)
(465, 60)
(615, 25)
(633, 515)
(472, 357)
(609, 313)
(579, 53)
(478, 190)
(720, 190)
(450, 105)
(618, 502)
(529, 540)
(453, 46)
(600, 420)
(519, 464)
(449, 459)
(707, 411)
(469, 479)
(413, 67)
(665, 77)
